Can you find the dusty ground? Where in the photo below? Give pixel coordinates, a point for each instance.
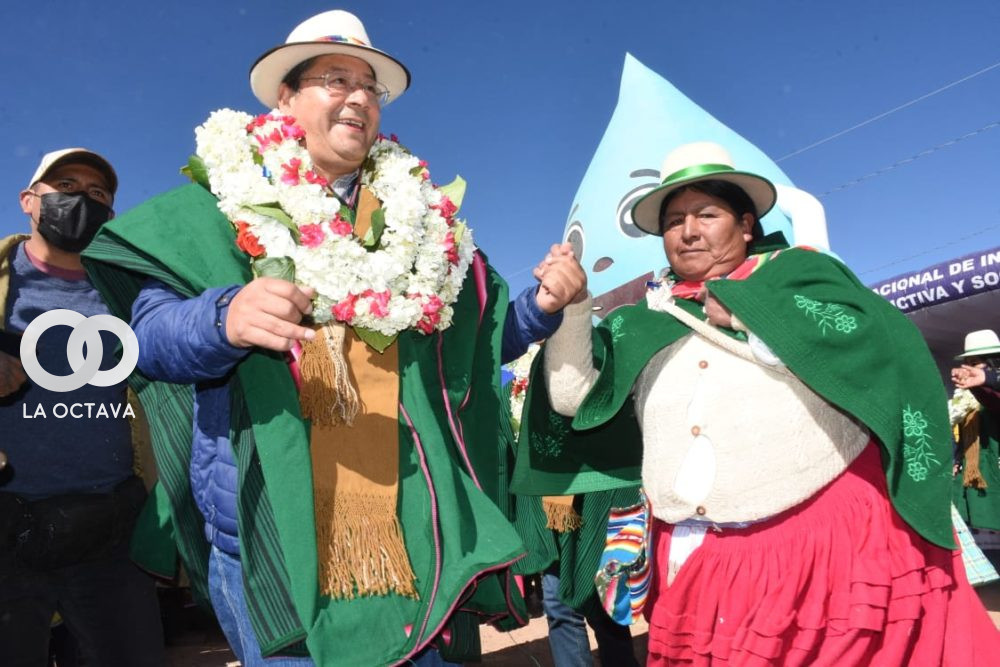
(528, 646)
(525, 647)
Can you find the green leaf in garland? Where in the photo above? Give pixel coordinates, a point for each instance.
(196, 170)
(275, 212)
(347, 213)
(374, 234)
(459, 231)
(375, 340)
(274, 267)
(455, 191)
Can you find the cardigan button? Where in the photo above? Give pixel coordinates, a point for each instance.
(702, 364)
(695, 430)
(700, 510)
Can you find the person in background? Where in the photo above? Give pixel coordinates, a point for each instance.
(69, 492)
(977, 482)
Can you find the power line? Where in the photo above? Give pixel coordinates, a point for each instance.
(912, 158)
(978, 232)
(890, 111)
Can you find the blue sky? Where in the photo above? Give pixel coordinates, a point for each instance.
(515, 97)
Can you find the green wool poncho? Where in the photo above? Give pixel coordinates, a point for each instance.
(846, 343)
(460, 543)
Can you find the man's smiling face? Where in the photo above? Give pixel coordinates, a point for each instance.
(340, 127)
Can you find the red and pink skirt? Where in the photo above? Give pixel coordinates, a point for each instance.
(839, 580)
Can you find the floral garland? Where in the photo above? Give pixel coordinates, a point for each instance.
(960, 404)
(520, 368)
(405, 274)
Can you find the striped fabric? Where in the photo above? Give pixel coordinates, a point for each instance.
(978, 568)
(623, 577)
(691, 289)
(272, 612)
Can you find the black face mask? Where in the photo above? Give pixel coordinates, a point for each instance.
(69, 221)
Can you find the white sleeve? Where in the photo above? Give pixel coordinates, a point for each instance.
(569, 362)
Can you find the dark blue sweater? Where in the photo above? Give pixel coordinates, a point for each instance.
(75, 453)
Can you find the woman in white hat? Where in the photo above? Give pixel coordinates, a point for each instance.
(794, 445)
(977, 483)
(979, 361)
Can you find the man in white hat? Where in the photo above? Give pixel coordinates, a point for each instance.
(369, 535)
(69, 491)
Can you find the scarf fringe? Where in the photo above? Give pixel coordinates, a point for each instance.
(972, 476)
(328, 395)
(364, 548)
(561, 517)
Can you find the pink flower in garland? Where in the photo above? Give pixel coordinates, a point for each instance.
(447, 207)
(311, 236)
(291, 171)
(378, 304)
(340, 227)
(432, 315)
(393, 138)
(290, 130)
(450, 248)
(268, 139)
(257, 122)
(312, 177)
(344, 310)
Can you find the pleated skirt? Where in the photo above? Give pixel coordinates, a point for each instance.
(839, 580)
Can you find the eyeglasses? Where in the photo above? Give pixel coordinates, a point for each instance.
(336, 82)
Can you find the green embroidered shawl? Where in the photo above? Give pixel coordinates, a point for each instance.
(846, 343)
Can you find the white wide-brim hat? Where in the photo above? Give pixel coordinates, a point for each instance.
(72, 155)
(699, 161)
(982, 343)
(332, 32)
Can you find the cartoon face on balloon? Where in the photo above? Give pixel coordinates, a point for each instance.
(619, 258)
(651, 119)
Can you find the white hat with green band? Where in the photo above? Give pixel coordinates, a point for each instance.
(699, 161)
(982, 343)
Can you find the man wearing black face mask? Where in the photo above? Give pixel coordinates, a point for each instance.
(69, 494)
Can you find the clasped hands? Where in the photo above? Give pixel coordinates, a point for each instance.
(268, 312)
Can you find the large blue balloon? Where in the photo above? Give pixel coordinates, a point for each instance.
(652, 118)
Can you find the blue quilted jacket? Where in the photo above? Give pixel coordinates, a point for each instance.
(183, 341)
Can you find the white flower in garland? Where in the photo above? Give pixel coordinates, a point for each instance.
(520, 368)
(264, 180)
(960, 404)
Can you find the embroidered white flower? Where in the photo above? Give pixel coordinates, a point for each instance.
(266, 186)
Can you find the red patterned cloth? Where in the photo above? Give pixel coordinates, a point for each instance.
(690, 289)
(838, 580)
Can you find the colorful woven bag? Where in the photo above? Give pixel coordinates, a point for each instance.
(623, 578)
